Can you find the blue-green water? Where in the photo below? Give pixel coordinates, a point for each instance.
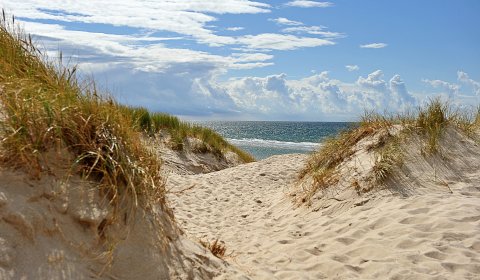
(264, 139)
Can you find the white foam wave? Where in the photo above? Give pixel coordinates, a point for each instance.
(303, 146)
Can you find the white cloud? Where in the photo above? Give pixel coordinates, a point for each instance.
(450, 89)
(186, 17)
(317, 97)
(373, 81)
(285, 21)
(351, 68)
(273, 97)
(314, 30)
(374, 46)
(272, 41)
(464, 94)
(400, 94)
(187, 89)
(464, 78)
(100, 48)
(234, 28)
(309, 4)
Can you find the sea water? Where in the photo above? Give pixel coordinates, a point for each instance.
(263, 139)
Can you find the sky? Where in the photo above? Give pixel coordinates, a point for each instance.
(266, 60)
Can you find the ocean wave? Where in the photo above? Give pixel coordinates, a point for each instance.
(252, 142)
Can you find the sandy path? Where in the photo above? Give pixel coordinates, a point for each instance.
(432, 236)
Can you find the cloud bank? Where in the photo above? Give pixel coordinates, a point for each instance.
(274, 97)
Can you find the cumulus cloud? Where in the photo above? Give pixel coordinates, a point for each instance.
(464, 78)
(317, 97)
(374, 46)
(352, 68)
(274, 97)
(373, 81)
(285, 21)
(185, 89)
(450, 89)
(309, 4)
(400, 94)
(464, 93)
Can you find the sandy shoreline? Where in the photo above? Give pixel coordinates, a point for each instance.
(435, 235)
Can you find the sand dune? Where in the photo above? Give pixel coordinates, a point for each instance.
(430, 232)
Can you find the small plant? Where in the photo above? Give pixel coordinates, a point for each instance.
(431, 122)
(217, 248)
(389, 157)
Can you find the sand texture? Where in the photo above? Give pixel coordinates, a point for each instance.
(190, 160)
(423, 224)
(56, 229)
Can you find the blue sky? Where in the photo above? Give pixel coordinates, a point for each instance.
(267, 60)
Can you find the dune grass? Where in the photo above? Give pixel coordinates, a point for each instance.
(45, 108)
(429, 122)
(152, 123)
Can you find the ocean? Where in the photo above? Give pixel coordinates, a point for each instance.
(266, 138)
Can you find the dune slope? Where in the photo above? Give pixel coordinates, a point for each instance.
(423, 223)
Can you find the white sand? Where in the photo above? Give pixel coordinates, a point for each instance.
(415, 229)
(49, 229)
(424, 224)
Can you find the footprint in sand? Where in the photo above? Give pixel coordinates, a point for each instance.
(285, 241)
(436, 255)
(345, 240)
(419, 211)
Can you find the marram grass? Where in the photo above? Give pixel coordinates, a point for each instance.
(46, 108)
(152, 123)
(429, 122)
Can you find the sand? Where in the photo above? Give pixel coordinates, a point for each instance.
(430, 230)
(423, 223)
(51, 229)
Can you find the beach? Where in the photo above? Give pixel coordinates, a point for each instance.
(214, 156)
(430, 233)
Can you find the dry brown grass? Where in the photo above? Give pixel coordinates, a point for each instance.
(46, 108)
(217, 248)
(429, 122)
(389, 157)
(322, 165)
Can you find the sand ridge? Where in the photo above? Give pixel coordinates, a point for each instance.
(383, 235)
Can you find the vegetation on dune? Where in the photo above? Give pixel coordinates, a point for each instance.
(429, 122)
(217, 248)
(46, 108)
(152, 123)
